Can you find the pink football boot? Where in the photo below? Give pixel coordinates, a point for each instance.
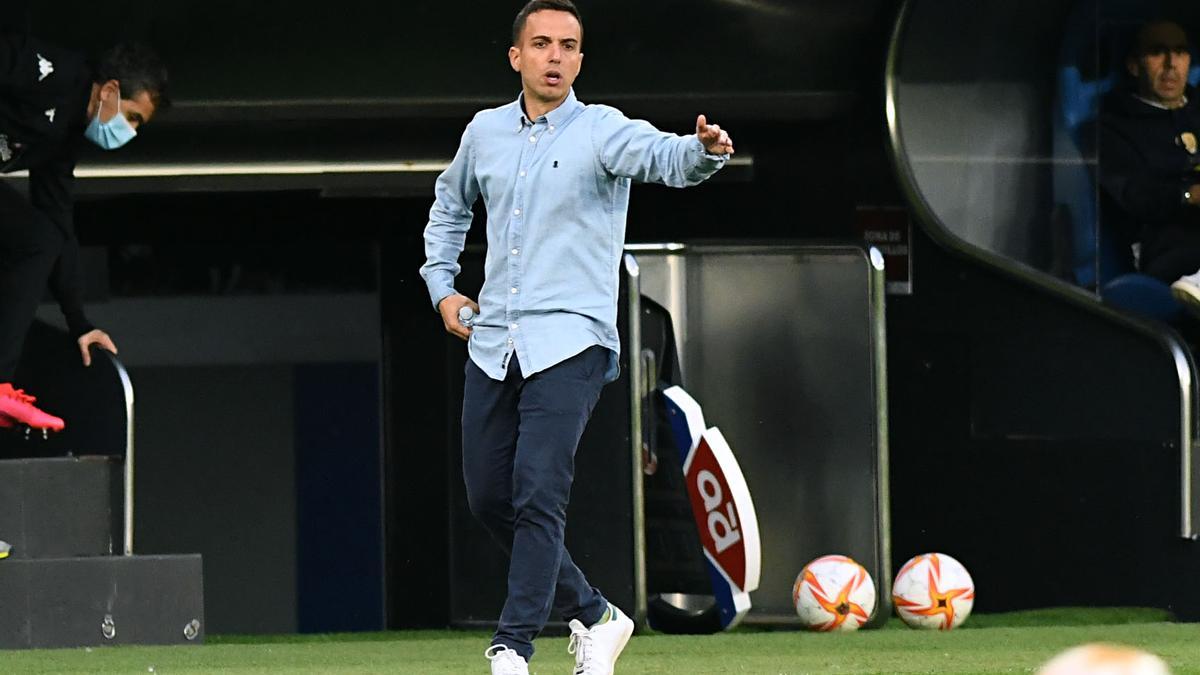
(16, 407)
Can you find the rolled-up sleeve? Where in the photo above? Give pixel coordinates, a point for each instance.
(449, 220)
(634, 149)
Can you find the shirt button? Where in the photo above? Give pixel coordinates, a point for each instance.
(516, 212)
(522, 174)
(516, 251)
(551, 127)
(513, 290)
(533, 139)
(513, 326)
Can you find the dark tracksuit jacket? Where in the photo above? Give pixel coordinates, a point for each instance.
(44, 92)
(1145, 167)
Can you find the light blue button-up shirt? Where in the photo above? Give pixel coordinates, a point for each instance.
(557, 192)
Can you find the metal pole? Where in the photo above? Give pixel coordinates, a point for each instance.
(883, 513)
(127, 386)
(637, 391)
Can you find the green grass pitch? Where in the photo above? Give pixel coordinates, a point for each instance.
(1002, 643)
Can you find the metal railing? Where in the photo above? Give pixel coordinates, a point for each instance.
(924, 214)
(127, 500)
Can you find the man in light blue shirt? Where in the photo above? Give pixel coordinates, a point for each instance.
(555, 176)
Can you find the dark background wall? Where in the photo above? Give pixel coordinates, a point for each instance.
(289, 485)
(296, 421)
(251, 327)
(361, 49)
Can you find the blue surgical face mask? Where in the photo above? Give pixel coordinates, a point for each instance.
(112, 134)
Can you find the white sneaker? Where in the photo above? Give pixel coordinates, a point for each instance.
(505, 661)
(596, 649)
(1187, 291)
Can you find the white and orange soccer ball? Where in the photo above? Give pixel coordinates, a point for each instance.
(834, 593)
(1100, 659)
(933, 591)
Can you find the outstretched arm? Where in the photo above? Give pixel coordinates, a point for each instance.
(67, 289)
(635, 149)
(50, 193)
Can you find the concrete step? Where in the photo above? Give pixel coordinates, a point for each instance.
(57, 507)
(112, 600)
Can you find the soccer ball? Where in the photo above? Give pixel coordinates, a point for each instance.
(1104, 660)
(834, 593)
(933, 591)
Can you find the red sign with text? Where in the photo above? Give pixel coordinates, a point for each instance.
(716, 515)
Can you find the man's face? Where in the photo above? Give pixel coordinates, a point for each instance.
(547, 55)
(137, 110)
(1161, 66)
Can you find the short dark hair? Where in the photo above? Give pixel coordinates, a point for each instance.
(138, 68)
(1157, 34)
(539, 5)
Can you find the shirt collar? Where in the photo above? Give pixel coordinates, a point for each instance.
(556, 117)
(1159, 105)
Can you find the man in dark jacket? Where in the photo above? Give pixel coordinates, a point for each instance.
(1150, 160)
(51, 100)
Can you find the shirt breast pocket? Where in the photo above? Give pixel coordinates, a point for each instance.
(567, 174)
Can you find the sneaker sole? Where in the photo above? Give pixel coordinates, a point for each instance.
(1188, 296)
(7, 422)
(11, 426)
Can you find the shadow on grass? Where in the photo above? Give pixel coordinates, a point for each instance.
(1055, 616)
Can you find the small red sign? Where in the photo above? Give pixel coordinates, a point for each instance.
(889, 229)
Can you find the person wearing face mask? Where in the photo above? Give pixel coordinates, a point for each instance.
(52, 101)
(1150, 160)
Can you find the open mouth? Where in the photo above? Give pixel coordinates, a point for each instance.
(554, 78)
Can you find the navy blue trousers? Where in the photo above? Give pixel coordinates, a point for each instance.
(519, 441)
